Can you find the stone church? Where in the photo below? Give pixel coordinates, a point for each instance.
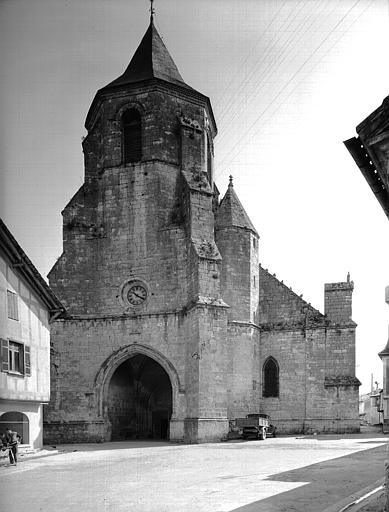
(173, 329)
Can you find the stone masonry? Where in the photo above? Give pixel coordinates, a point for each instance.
(170, 317)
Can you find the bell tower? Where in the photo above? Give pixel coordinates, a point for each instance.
(139, 258)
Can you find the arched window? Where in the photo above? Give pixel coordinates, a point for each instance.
(270, 378)
(18, 422)
(132, 136)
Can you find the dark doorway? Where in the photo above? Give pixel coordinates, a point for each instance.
(18, 422)
(140, 400)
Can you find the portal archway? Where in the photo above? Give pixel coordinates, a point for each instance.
(118, 371)
(139, 400)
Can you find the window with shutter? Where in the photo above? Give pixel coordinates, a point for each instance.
(12, 302)
(270, 378)
(132, 136)
(4, 356)
(15, 357)
(27, 361)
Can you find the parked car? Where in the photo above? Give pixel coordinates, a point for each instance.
(256, 426)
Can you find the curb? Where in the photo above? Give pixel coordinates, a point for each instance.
(374, 500)
(358, 499)
(364, 500)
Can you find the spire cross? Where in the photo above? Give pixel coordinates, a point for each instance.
(230, 184)
(152, 11)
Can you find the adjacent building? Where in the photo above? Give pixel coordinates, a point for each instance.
(173, 327)
(370, 150)
(27, 306)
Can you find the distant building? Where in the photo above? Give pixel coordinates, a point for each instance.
(370, 150)
(173, 327)
(370, 408)
(27, 305)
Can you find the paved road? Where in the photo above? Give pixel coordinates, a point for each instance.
(284, 474)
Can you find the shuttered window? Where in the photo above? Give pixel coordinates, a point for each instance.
(12, 302)
(4, 356)
(132, 136)
(270, 378)
(27, 361)
(15, 358)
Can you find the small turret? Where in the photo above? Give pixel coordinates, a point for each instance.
(237, 240)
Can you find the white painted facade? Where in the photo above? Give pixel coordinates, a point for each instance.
(26, 307)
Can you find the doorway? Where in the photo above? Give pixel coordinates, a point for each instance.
(140, 400)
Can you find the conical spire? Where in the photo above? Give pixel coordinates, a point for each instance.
(232, 213)
(151, 60)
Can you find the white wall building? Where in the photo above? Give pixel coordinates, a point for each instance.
(27, 305)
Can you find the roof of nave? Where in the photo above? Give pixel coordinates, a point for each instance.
(278, 303)
(151, 60)
(232, 213)
(23, 266)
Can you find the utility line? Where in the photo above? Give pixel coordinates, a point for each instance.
(293, 77)
(272, 66)
(298, 83)
(241, 67)
(267, 51)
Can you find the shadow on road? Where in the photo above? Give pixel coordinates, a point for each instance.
(343, 476)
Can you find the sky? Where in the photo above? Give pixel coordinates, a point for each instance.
(289, 80)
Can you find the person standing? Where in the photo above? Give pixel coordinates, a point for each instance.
(12, 441)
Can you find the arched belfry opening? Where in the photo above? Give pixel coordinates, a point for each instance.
(139, 400)
(132, 136)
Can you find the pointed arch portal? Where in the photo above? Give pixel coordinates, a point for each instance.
(139, 400)
(137, 390)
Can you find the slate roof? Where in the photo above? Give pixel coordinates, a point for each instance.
(232, 213)
(150, 64)
(151, 60)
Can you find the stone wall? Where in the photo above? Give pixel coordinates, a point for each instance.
(310, 398)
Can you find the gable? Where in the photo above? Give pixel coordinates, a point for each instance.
(279, 305)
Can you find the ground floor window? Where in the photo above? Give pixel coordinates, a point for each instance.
(18, 422)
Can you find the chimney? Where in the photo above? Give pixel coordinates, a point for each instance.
(338, 301)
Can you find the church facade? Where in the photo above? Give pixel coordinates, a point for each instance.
(173, 328)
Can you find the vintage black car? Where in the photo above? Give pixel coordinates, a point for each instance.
(256, 426)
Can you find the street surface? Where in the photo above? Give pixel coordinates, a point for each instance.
(300, 473)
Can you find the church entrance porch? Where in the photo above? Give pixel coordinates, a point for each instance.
(139, 400)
